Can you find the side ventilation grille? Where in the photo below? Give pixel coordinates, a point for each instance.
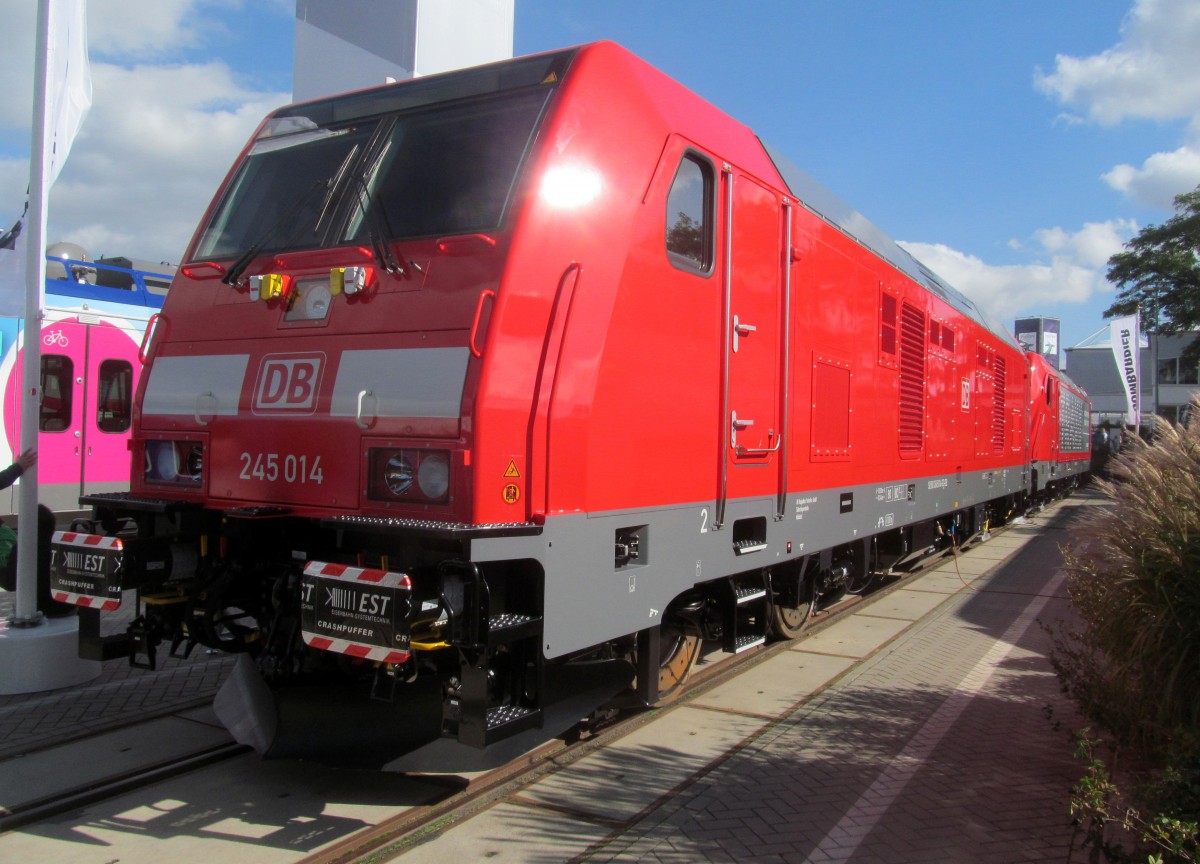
(912, 380)
(998, 405)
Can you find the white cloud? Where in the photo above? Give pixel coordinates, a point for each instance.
(143, 31)
(1160, 179)
(152, 152)
(160, 135)
(1092, 245)
(1073, 272)
(1152, 72)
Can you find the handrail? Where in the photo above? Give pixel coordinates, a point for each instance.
(483, 295)
(147, 335)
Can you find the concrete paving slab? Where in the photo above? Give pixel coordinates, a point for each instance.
(962, 572)
(907, 604)
(948, 582)
(244, 809)
(775, 686)
(511, 833)
(991, 551)
(856, 636)
(29, 778)
(628, 776)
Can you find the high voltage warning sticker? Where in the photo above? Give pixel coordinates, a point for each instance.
(511, 470)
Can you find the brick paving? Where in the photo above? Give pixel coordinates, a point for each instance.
(948, 745)
(120, 696)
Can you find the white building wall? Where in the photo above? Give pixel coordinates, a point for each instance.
(343, 45)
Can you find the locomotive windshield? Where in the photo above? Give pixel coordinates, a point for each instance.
(432, 170)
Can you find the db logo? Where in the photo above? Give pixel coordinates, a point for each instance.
(288, 383)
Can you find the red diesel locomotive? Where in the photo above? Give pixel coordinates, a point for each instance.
(521, 380)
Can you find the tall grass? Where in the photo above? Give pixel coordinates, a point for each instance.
(1133, 662)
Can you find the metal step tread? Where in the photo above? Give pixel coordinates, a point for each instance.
(503, 715)
(744, 547)
(745, 643)
(749, 594)
(511, 626)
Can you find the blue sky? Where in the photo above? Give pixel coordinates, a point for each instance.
(1013, 145)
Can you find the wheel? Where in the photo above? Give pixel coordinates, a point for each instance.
(787, 622)
(677, 656)
(793, 601)
(861, 573)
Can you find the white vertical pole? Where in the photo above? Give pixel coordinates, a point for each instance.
(35, 276)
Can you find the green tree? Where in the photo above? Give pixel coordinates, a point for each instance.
(1159, 271)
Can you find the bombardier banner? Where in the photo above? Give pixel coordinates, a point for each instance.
(1126, 346)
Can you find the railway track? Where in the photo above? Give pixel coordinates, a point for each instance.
(394, 834)
(82, 794)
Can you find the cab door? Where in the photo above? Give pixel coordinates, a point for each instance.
(754, 339)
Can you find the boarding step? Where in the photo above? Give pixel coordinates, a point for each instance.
(745, 615)
(510, 626)
(745, 547)
(504, 721)
(748, 594)
(745, 643)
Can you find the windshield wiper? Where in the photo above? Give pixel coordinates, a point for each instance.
(330, 184)
(377, 219)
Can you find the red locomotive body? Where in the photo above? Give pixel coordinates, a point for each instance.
(540, 372)
(1059, 430)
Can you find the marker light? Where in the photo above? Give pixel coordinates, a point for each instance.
(570, 186)
(350, 280)
(270, 286)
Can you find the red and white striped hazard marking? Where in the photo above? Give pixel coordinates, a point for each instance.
(87, 541)
(346, 573)
(384, 578)
(355, 649)
(108, 604)
(93, 541)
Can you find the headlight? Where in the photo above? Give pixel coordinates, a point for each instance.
(179, 463)
(410, 474)
(398, 475)
(433, 477)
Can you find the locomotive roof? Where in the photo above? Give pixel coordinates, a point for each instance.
(832, 209)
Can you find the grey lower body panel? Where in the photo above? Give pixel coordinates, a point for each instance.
(591, 596)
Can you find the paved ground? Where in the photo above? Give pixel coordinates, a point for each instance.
(926, 727)
(120, 696)
(948, 743)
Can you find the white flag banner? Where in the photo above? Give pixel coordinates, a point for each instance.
(1126, 346)
(12, 269)
(68, 82)
(68, 98)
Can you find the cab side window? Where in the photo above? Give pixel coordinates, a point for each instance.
(114, 403)
(690, 223)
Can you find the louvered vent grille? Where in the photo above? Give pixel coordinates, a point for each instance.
(998, 405)
(912, 380)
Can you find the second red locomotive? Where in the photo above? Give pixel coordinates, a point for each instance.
(525, 378)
